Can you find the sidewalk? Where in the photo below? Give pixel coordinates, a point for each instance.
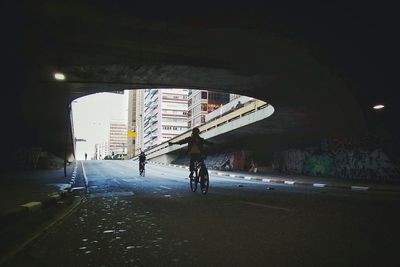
(26, 192)
(320, 182)
(33, 201)
(20, 187)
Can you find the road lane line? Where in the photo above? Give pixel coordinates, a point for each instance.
(165, 187)
(319, 185)
(85, 177)
(265, 206)
(266, 180)
(289, 182)
(362, 188)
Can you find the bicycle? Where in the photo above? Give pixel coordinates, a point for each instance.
(201, 175)
(142, 168)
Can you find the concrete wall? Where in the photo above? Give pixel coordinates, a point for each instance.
(165, 158)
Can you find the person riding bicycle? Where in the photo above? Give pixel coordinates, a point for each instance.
(142, 160)
(195, 148)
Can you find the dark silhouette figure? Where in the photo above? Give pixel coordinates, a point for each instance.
(195, 148)
(142, 161)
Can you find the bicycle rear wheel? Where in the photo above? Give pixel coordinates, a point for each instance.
(204, 180)
(193, 183)
(141, 170)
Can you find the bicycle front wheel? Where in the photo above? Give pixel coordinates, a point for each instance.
(204, 181)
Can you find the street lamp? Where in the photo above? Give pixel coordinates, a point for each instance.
(59, 76)
(379, 106)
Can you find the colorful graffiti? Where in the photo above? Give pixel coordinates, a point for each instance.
(333, 158)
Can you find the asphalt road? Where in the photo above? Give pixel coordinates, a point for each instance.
(128, 220)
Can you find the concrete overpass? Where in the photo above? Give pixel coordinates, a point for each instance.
(307, 62)
(243, 123)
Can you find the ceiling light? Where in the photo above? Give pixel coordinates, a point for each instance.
(59, 76)
(378, 106)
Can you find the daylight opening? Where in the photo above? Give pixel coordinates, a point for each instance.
(121, 124)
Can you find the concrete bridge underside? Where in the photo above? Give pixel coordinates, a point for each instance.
(250, 50)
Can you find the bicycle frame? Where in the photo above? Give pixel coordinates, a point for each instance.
(200, 175)
(142, 168)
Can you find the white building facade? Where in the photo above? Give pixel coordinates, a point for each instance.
(131, 145)
(165, 115)
(139, 129)
(202, 102)
(118, 137)
(101, 150)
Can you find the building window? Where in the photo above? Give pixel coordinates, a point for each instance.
(203, 107)
(203, 95)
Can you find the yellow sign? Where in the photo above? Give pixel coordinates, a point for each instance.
(132, 134)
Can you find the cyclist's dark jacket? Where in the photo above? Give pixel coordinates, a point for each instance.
(195, 141)
(142, 157)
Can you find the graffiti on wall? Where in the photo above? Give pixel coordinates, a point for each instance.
(333, 158)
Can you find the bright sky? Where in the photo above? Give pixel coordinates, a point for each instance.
(91, 116)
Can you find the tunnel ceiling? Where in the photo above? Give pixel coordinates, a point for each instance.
(325, 63)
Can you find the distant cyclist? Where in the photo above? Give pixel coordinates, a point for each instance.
(142, 161)
(195, 148)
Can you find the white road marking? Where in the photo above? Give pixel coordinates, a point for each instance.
(165, 187)
(264, 206)
(363, 188)
(84, 174)
(132, 180)
(266, 180)
(247, 178)
(319, 185)
(289, 182)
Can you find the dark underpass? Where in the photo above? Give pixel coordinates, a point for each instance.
(326, 187)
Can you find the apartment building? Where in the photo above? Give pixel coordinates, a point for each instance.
(202, 102)
(117, 141)
(139, 130)
(100, 151)
(165, 115)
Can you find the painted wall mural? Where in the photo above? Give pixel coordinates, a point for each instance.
(335, 158)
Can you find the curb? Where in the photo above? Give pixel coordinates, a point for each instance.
(14, 214)
(294, 182)
(11, 215)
